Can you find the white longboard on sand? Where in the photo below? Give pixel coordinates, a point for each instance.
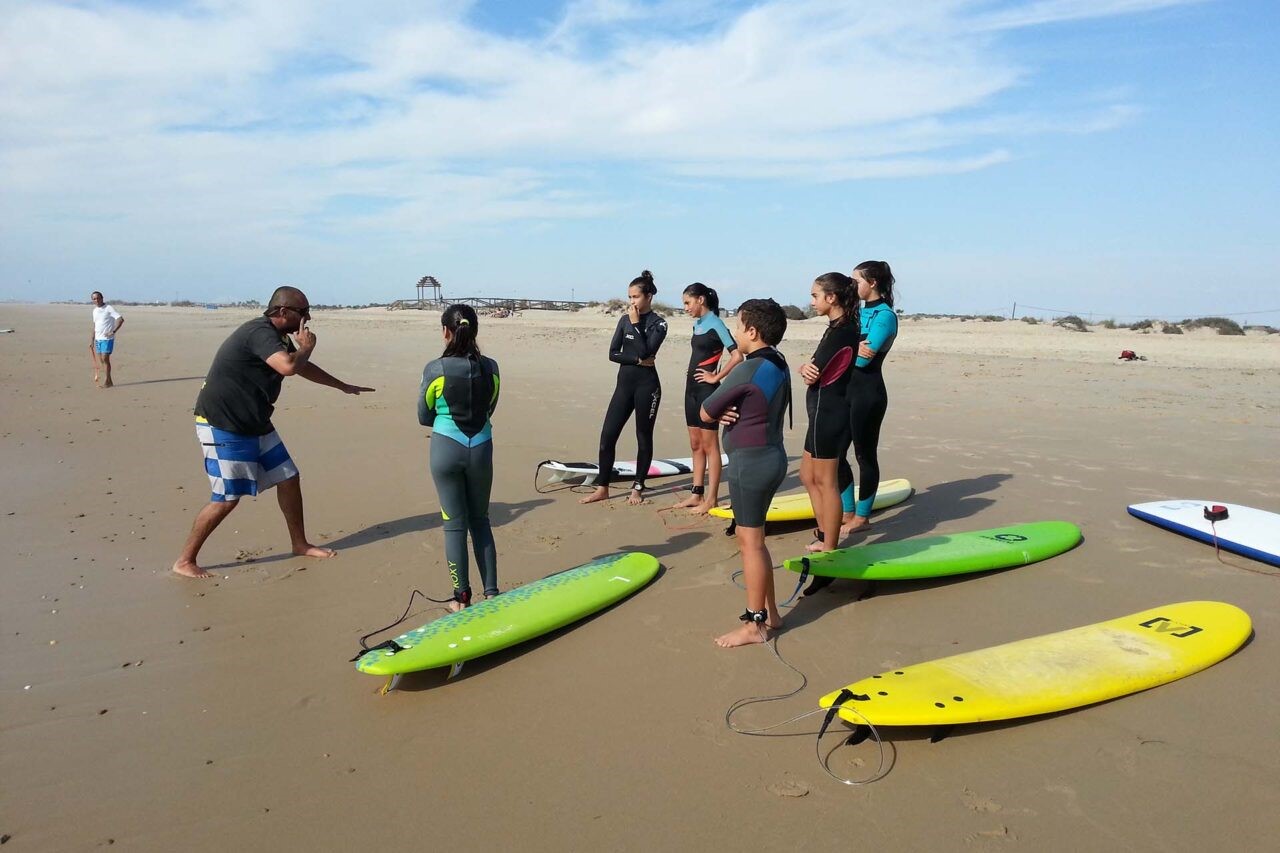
(1249, 532)
(586, 472)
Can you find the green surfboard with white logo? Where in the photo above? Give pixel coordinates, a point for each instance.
(515, 616)
(939, 556)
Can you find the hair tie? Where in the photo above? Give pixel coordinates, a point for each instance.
(463, 321)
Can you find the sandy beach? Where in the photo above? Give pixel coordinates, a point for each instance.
(149, 712)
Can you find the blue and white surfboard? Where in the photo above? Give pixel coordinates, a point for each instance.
(1252, 533)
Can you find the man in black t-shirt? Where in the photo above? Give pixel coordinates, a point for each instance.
(243, 453)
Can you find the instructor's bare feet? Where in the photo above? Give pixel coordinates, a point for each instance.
(601, 493)
(691, 501)
(309, 550)
(188, 569)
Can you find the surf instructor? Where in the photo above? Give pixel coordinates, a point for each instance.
(243, 453)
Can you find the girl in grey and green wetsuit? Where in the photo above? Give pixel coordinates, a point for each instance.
(458, 394)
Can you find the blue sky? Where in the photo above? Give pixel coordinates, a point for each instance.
(1106, 156)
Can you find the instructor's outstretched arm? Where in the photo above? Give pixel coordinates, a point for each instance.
(318, 375)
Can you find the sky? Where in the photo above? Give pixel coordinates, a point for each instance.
(1108, 157)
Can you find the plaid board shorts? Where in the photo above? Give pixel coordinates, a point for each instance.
(240, 465)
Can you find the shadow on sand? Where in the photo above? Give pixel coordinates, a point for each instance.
(157, 381)
(499, 515)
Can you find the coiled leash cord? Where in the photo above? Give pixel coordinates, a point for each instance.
(823, 760)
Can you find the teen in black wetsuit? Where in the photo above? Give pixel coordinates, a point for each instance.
(827, 374)
(711, 339)
(635, 343)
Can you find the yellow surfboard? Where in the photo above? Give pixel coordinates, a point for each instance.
(1050, 673)
(795, 506)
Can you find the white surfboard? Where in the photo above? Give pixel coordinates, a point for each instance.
(1249, 532)
(586, 472)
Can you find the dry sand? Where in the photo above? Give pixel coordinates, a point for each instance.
(168, 714)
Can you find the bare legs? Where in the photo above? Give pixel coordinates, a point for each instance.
(207, 520)
(699, 466)
(289, 496)
(757, 571)
(819, 477)
(101, 368)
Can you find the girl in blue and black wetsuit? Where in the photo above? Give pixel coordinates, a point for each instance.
(711, 339)
(458, 394)
(826, 442)
(635, 344)
(868, 399)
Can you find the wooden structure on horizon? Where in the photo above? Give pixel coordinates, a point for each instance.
(431, 298)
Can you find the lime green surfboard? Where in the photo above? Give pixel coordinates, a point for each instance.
(523, 613)
(939, 556)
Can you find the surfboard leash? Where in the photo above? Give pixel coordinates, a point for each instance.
(392, 644)
(1213, 515)
(855, 737)
(804, 575)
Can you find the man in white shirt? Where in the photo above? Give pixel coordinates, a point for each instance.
(106, 322)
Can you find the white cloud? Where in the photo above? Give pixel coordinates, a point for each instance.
(254, 114)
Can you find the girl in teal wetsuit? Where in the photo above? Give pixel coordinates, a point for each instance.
(868, 398)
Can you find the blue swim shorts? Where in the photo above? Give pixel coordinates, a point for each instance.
(240, 465)
(104, 346)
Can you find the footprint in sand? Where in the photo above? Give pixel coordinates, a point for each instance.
(976, 803)
(1000, 833)
(788, 788)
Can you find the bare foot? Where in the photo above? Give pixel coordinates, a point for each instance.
(702, 508)
(190, 570)
(636, 497)
(817, 546)
(749, 633)
(691, 501)
(857, 525)
(455, 605)
(601, 493)
(310, 550)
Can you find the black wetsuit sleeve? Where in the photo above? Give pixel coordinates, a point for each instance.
(616, 346)
(651, 337)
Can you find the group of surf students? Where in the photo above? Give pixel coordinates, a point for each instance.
(748, 392)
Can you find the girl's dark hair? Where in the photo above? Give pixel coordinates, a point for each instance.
(462, 321)
(843, 288)
(700, 290)
(879, 274)
(644, 281)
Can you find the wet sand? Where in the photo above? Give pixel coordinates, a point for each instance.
(161, 713)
